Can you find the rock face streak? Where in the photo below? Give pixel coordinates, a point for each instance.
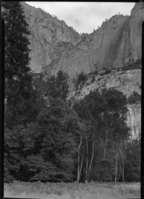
(56, 46)
(46, 33)
(134, 119)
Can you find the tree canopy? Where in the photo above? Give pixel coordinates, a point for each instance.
(19, 93)
(57, 86)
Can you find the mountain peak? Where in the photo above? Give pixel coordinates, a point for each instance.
(116, 42)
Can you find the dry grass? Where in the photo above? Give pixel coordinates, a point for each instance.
(72, 190)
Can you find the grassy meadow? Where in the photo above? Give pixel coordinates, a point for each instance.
(74, 190)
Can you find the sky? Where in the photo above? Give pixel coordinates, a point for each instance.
(84, 17)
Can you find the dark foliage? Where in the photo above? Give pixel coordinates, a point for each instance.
(96, 72)
(133, 161)
(40, 85)
(93, 79)
(131, 65)
(134, 98)
(107, 113)
(107, 71)
(58, 87)
(42, 150)
(19, 94)
(81, 80)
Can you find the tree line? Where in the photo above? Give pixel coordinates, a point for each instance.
(56, 139)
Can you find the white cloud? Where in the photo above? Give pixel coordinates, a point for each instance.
(84, 16)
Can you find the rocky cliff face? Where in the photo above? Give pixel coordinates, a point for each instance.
(116, 42)
(124, 81)
(56, 46)
(134, 120)
(46, 33)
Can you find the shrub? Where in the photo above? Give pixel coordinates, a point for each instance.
(96, 72)
(107, 71)
(138, 61)
(134, 98)
(93, 79)
(87, 83)
(81, 80)
(133, 65)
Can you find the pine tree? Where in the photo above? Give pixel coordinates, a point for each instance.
(19, 93)
(58, 87)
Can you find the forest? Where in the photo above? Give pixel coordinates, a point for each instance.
(54, 139)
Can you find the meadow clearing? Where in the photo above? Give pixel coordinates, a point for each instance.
(92, 190)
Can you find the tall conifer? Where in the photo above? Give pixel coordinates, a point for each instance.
(19, 93)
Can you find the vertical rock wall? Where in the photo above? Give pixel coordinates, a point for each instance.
(56, 46)
(117, 41)
(134, 119)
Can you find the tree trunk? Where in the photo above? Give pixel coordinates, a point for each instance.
(86, 173)
(104, 156)
(123, 162)
(116, 168)
(123, 170)
(93, 142)
(78, 168)
(105, 143)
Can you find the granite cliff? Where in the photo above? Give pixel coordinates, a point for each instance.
(124, 81)
(46, 34)
(55, 45)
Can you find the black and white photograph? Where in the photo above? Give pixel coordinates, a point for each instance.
(72, 99)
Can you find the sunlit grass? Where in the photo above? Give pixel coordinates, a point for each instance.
(72, 190)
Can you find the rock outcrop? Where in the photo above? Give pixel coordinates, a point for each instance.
(46, 33)
(56, 46)
(134, 120)
(124, 81)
